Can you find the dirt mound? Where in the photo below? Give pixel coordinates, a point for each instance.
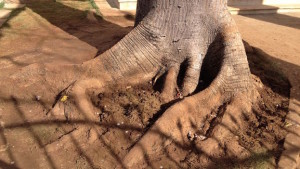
(125, 113)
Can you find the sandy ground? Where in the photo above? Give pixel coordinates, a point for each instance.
(278, 36)
(68, 33)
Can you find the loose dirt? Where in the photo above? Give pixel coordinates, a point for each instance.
(133, 109)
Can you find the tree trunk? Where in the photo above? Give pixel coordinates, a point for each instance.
(199, 34)
(169, 33)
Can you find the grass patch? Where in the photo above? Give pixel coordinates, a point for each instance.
(257, 161)
(93, 4)
(1, 4)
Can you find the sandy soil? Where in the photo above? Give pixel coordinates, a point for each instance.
(56, 32)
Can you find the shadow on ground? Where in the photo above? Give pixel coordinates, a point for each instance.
(277, 19)
(78, 131)
(85, 25)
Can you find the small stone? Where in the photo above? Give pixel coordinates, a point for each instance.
(202, 137)
(122, 122)
(118, 124)
(161, 167)
(12, 162)
(195, 136)
(128, 87)
(38, 98)
(213, 115)
(126, 132)
(2, 124)
(190, 136)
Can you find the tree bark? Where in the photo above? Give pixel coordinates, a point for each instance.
(168, 34)
(171, 32)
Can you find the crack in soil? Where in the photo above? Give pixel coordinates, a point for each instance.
(63, 135)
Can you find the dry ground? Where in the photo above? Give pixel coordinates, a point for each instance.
(65, 32)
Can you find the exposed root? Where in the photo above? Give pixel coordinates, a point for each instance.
(209, 119)
(75, 95)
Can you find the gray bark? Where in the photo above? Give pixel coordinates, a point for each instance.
(170, 32)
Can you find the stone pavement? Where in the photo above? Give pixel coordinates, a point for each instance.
(6, 11)
(278, 35)
(107, 10)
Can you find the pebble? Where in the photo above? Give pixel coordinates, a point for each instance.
(118, 124)
(161, 167)
(213, 115)
(201, 137)
(38, 98)
(189, 136)
(126, 131)
(2, 124)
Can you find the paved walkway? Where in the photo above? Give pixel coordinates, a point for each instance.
(278, 35)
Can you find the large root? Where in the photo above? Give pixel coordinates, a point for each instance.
(211, 46)
(206, 123)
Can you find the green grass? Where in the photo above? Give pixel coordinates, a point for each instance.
(1, 4)
(93, 4)
(259, 160)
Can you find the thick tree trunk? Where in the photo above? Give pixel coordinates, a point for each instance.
(171, 32)
(167, 34)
